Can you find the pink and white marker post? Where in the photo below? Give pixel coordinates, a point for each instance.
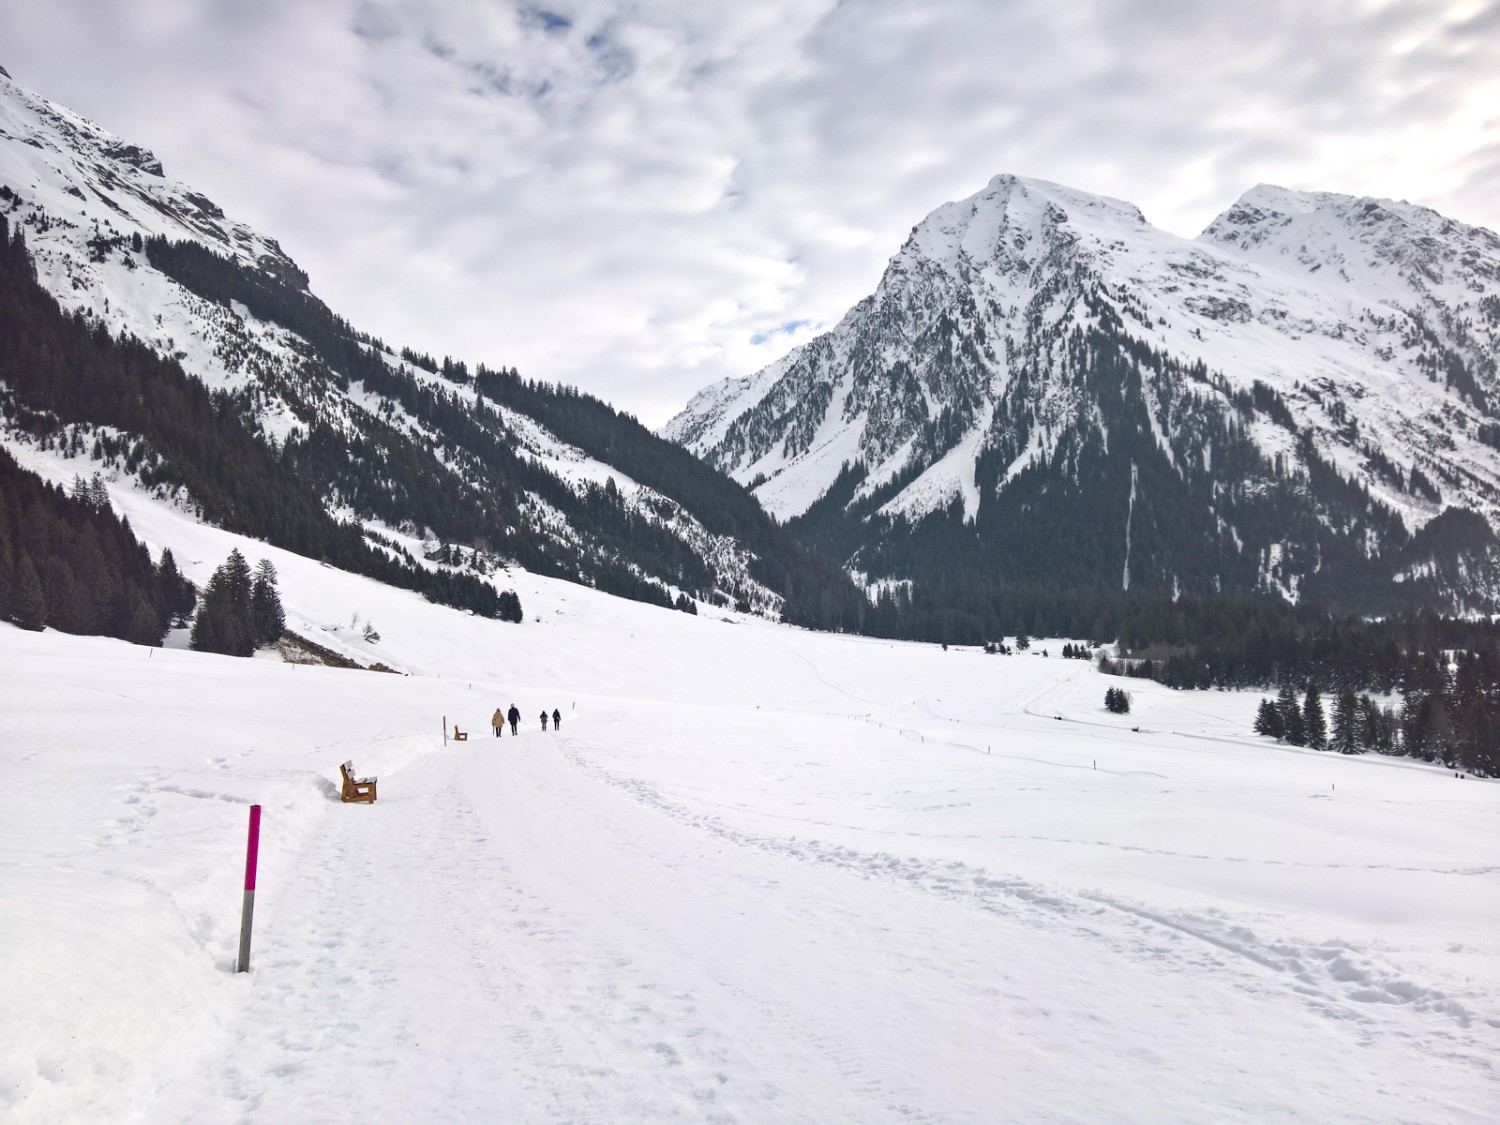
(252, 853)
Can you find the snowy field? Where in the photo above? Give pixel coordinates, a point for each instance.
(760, 875)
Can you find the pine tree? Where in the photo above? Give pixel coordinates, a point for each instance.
(1346, 722)
(180, 596)
(1293, 728)
(269, 619)
(7, 576)
(225, 623)
(145, 626)
(1315, 725)
(1371, 726)
(30, 606)
(1268, 721)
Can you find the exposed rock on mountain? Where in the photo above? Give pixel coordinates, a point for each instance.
(1045, 389)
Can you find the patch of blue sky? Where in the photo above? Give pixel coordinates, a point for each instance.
(543, 20)
(791, 327)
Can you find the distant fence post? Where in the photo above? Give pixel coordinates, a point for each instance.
(252, 853)
(445, 730)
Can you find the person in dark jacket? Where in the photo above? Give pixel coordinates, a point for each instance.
(515, 719)
(544, 720)
(556, 719)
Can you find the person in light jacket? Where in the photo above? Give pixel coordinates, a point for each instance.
(497, 720)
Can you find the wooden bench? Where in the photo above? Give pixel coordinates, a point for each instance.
(460, 735)
(358, 789)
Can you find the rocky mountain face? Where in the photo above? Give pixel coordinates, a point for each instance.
(1044, 390)
(441, 468)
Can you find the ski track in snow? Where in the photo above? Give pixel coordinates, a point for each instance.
(1330, 976)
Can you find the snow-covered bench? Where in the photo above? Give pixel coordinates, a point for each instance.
(360, 789)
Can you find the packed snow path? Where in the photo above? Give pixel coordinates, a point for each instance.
(811, 879)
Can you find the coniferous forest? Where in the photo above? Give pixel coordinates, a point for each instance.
(1448, 712)
(63, 374)
(67, 562)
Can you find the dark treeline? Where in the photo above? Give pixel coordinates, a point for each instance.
(61, 369)
(69, 563)
(818, 593)
(1449, 713)
(1281, 644)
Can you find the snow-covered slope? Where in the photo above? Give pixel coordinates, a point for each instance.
(816, 878)
(1364, 332)
(89, 205)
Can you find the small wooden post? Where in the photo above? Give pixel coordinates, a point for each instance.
(445, 730)
(252, 854)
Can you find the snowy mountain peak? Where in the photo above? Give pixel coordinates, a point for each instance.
(84, 175)
(996, 226)
(1305, 336)
(1396, 248)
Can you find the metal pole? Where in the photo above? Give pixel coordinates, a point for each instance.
(252, 853)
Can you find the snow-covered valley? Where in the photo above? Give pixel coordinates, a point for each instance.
(759, 875)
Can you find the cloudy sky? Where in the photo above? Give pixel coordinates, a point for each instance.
(640, 197)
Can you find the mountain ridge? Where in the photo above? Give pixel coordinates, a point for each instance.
(1321, 335)
(440, 464)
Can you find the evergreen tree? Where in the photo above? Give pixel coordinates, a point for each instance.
(145, 626)
(1441, 740)
(268, 618)
(225, 622)
(1293, 728)
(177, 592)
(1315, 725)
(7, 576)
(1346, 722)
(1268, 721)
(30, 610)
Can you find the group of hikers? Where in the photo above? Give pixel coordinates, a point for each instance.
(513, 716)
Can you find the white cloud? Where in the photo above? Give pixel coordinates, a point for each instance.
(641, 197)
